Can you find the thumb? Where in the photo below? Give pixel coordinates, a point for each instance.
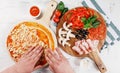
(38, 67)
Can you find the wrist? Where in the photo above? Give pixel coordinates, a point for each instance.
(14, 67)
(11, 69)
(18, 69)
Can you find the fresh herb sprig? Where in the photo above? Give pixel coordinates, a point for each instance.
(62, 8)
(91, 22)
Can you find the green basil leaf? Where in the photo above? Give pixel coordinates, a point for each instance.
(93, 19)
(65, 10)
(91, 22)
(87, 26)
(89, 19)
(83, 20)
(96, 24)
(61, 6)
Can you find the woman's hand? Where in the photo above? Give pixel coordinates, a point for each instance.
(57, 62)
(27, 62)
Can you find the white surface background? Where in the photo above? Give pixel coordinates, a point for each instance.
(15, 11)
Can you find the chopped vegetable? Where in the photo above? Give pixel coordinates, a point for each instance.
(76, 23)
(60, 6)
(79, 14)
(83, 18)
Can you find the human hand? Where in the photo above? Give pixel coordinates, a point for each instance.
(85, 46)
(57, 62)
(28, 61)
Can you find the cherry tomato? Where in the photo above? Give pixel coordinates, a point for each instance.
(57, 13)
(56, 19)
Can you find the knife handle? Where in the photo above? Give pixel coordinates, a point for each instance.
(51, 6)
(96, 58)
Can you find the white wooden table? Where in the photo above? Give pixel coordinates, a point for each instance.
(15, 11)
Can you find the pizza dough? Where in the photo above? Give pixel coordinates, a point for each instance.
(27, 34)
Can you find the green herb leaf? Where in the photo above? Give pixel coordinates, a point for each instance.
(93, 19)
(84, 20)
(91, 22)
(61, 6)
(96, 24)
(65, 10)
(87, 26)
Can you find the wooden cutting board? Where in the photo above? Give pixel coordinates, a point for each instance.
(93, 55)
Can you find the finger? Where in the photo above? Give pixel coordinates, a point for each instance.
(38, 56)
(51, 57)
(49, 60)
(54, 54)
(29, 50)
(51, 68)
(24, 56)
(59, 52)
(34, 50)
(84, 49)
(38, 67)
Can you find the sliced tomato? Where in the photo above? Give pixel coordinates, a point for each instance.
(77, 23)
(97, 33)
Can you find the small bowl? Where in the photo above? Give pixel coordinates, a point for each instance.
(35, 11)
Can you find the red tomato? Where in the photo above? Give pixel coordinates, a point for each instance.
(57, 13)
(34, 11)
(56, 19)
